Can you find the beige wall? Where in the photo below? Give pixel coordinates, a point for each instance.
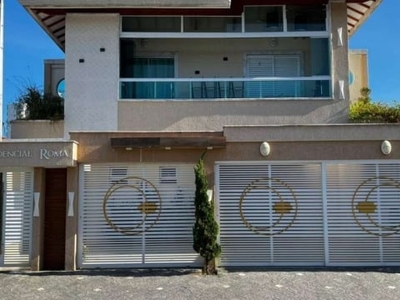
(207, 55)
(358, 65)
(336, 144)
(214, 115)
(306, 143)
(34, 129)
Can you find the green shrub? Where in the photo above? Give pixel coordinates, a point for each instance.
(366, 111)
(205, 229)
(40, 106)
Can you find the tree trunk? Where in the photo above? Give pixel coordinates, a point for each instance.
(209, 267)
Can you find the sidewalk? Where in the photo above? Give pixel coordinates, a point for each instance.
(362, 284)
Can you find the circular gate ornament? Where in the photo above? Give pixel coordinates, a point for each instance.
(363, 210)
(281, 208)
(143, 200)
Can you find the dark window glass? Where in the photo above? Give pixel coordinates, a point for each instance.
(263, 18)
(306, 17)
(212, 24)
(151, 24)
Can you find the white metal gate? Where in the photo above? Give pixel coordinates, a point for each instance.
(363, 203)
(17, 217)
(270, 214)
(327, 213)
(136, 215)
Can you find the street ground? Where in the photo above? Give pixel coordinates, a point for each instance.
(285, 284)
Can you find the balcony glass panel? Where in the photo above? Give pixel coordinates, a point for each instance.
(225, 88)
(263, 18)
(319, 57)
(306, 17)
(151, 24)
(212, 24)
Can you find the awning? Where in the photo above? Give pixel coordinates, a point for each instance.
(165, 140)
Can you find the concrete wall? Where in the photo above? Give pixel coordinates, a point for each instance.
(34, 129)
(91, 74)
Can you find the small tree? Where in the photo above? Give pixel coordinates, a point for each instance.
(205, 229)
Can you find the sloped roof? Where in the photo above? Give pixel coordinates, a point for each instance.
(50, 14)
(358, 12)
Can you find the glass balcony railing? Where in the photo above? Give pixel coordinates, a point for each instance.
(225, 88)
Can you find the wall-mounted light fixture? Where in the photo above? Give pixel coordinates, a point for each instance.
(265, 149)
(386, 147)
(340, 37)
(210, 195)
(36, 200)
(341, 90)
(71, 196)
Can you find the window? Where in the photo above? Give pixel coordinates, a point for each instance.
(133, 66)
(306, 17)
(212, 24)
(263, 18)
(272, 66)
(151, 24)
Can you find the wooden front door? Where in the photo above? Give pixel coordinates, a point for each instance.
(54, 219)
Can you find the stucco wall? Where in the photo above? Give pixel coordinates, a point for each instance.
(207, 55)
(34, 129)
(91, 74)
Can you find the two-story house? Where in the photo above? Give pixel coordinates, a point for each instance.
(262, 86)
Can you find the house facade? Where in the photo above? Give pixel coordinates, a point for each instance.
(261, 86)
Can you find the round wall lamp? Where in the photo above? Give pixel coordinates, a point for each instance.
(386, 147)
(265, 149)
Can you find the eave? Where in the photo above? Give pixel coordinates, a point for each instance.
(51, 14)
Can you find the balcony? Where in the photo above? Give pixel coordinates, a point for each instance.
(313, 87)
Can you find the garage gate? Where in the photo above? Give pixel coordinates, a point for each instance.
(309, 214)
(136, 215)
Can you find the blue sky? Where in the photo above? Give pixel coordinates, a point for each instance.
(26, 45)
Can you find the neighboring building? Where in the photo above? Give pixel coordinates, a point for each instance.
(358, 73)
(149, 87)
